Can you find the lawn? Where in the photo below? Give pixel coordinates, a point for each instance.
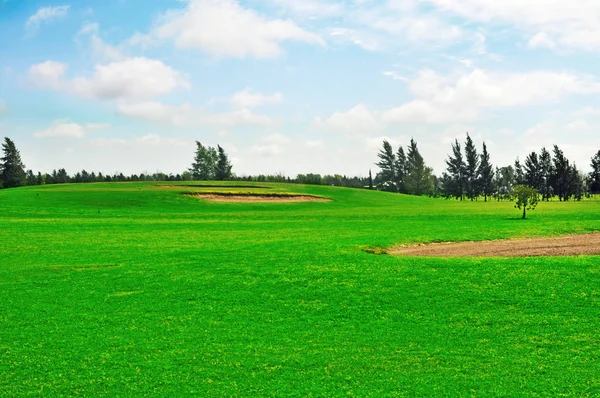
(134, 289)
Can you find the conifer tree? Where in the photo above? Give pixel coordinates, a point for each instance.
(533, 175)
(519, 175)
(455, 186)
(595, 174)
(387, 164)
(546, 171)
(419, 177)
(205, 163)
(471, 169)
(12, 169)
(562, 174)
(400, 168)
(223, 167)
(486, 174)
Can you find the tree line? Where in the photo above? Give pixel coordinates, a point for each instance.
(209, 163)
(470, 175)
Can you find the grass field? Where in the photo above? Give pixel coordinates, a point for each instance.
(133, 289)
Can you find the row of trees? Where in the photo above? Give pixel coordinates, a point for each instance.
(471, 175)
(404, 172)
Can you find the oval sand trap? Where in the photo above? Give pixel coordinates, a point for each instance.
(257, 198)
(571, 245)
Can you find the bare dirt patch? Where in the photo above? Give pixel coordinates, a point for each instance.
(257, 198)
(571, 245)
(212, 186)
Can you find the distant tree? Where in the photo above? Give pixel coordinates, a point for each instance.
(563, 175)
(595, 174)
(578, 184)
(455, 166)
(370, 180)
(533, 175)
(546, 171)
(471, 169)
(205, 163)
(526, 198)
(223, 167)
(30, 178)
(12, 169)
(401, 169)
(498, 183)
(418, 178)
(508, 180)
(519, 175)
(486, 174)
(387, 163)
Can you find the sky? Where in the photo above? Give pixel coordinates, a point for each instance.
(290, 86)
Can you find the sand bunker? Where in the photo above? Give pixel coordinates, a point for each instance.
(571, 245)
(257, 198)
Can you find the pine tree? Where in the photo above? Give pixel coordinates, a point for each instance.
(595, 174)
(472, 166)
(223, 168)
(533, 175)
(12, 169)
(519, 175)
(562, 177)
(456, 171)
(370, 180)
(387, 164)
(486, 174)
(205, 163)
(546, 171)
(400, 168)
(418, 178)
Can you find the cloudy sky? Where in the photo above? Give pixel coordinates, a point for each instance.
(295, 86)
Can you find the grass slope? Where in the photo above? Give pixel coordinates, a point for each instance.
(133, 289)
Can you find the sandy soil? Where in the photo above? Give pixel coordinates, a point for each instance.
(259, 198)
(571, 245)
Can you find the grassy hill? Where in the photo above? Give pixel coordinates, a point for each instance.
(135, 289)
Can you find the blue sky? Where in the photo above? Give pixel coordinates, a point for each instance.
(295, 86)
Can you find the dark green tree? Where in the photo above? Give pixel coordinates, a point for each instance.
(400, 168)
(562, 177)
(370, 180)
(486, 174)
(386, 179)
(546, 171)
(419, 178)
(205, 163)
(471, 169)
(533, 175)
(519, 175)
(12, 169)
(223, 168)
(455, 166)
(595, 174)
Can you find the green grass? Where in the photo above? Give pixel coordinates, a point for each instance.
(133, 289)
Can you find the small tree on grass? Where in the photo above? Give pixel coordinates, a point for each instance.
(526, 198)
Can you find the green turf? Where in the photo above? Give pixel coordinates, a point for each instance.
(133, 289)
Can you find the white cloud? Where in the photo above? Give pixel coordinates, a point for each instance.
(360, 120)
(45, 15)
(271, 145)
(314, 144)
(442, 99)
(564, 23)
(66, 129)
(130, 78)
(224, 28)
(252, 99)
(47, 74)
(310, 8)
(187, 116)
